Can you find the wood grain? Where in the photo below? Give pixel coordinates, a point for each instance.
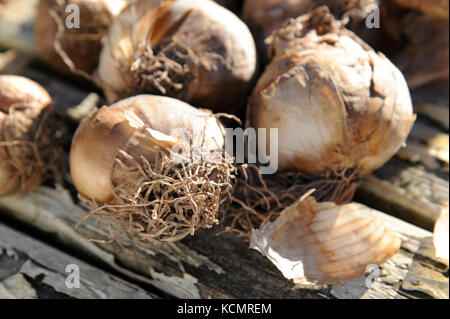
(212, 266)
(413, 186)
(409, 192)
(30, 269)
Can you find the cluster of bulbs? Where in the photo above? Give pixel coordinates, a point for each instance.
(337, 104)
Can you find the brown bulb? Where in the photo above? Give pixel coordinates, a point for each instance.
(81, 43)
(341, 110)
(195, 51)
(123, 167)
(27, 149)
(266, 16)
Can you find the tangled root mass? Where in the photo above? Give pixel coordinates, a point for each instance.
(164, 201)
(259, 199)
(29, 137)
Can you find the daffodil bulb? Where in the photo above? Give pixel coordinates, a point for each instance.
(341, 110)
(195, 51)
(144, 166)
(266, 16)
(76, 28)
(27, 135)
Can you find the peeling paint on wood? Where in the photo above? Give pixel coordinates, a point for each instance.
(41, 271)
(230, 269)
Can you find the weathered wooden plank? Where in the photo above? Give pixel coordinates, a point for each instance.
(30, 269)
(427, 145)
(438, 112)
(408, 192)
(209, 266)
(432, 101)
(433, 139)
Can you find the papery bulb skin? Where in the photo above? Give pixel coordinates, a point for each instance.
(123, 167)
(119, 127)
(337, 104)
(266, 16)
(82, 25)
(26, 134)
(195, 51)
(315, 243)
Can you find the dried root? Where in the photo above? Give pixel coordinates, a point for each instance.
(163, 201)
(29, 141)
(260, 199)
(165, 69)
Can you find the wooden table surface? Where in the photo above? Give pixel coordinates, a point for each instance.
(38, 239)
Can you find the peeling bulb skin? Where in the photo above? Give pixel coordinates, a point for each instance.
(25, 132)
(123, 166)
(337, 104)
(266, 16)
(315, 243)
(195, 51)
(119, 127)
(79, 28)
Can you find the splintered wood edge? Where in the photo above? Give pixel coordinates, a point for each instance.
(52, 210)
(385, 195)
(34, 260)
